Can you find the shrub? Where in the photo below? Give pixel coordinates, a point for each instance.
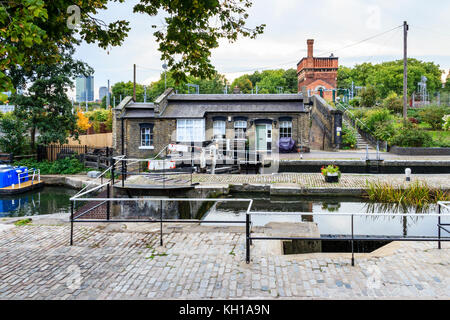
(369, 97)
(393, 102)
(69, 165)
(348, 137)
(413, 120)
(355, 102)
(384, 131)
(411, 136)
(433, 115)
(377, 116)
(14, 138)
(446, 124)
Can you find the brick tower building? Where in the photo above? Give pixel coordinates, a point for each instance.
(317, 73)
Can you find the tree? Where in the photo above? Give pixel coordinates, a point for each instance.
(291, 80)
(387, 77)
(244, 84)
(192, 29)
(393, 102)
(369, 97)
(35, 32)
(272, 80)
(190, 34)
(433, 115)
(46, 106)
(13, 139)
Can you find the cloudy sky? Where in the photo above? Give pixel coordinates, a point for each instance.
(338, 26)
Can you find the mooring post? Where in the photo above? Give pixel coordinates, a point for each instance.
(71, 222)
(247, 238)
(107, 202)
(161, 223)
(353, 252)
(439, 226)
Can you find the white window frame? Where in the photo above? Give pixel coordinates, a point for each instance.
(191, 130)
(240, 129)
(286, 125)
(146, 143)
(219, 128)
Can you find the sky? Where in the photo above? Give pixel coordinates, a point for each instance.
(337, 26)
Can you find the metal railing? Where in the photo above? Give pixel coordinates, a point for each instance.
(352, 238)
(441, 207)
(22, 176)
(108, 200)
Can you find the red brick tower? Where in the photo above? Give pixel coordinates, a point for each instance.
(315, 73)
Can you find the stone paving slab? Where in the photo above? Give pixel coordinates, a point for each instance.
(199, 263)
(311, 180)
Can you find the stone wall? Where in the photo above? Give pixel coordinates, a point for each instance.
(420, 151)
(324, 123)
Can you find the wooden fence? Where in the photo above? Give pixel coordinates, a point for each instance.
(100, 140)
(92, 157)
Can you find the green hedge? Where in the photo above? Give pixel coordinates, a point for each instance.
(62, 166)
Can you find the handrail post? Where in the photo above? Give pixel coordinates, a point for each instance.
(353, 252)
(108, 208)
(439, 226)
(161, 223)
(71, 222)
(247, 238)
(123, 173)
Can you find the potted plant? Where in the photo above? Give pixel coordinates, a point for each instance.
(331, 173)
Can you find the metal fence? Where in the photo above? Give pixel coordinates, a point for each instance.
(99, 201)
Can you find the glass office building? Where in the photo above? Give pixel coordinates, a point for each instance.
(85, 89)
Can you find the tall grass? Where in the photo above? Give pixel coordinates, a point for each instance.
(416, 194)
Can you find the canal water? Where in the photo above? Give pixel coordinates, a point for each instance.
(52, 200)
(48, 200)
(332, 224)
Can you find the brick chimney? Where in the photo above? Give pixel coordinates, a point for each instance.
(310, 43)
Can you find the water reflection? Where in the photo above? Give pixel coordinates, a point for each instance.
(333, 223)
(48, 200)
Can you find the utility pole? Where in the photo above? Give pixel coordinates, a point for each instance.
(405, 70)
(134, 82)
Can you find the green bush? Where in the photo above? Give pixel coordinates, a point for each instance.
(433, 115)
(373, 118)
(348, 138)
(355, 102)
(369, 96)
(446, 124)
(411, 136)
(384, 131)
(393, 102)
(62, 166)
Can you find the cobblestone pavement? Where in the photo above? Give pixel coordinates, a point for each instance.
(354, 155)
(199, 262)
(307, 180)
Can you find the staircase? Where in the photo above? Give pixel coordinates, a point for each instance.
(361, 143)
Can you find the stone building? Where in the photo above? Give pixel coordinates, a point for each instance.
(318, 73)
(185, 118)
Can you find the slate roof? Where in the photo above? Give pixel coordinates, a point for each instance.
(139, 110)
(196, 106)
